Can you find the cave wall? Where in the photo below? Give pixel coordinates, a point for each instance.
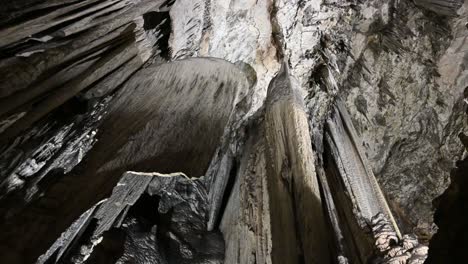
(399, 66)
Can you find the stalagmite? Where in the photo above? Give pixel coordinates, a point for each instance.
(292, 180)
(360, 182)
(360, 200)
(354, 189)
(311, 131)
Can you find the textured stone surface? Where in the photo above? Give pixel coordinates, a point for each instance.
(406, 104)
(156, 123)
(295, 202)
(390, 62)
(232, 30)
(162, 218)
(76, 108)
(398, 67)
(246, 223)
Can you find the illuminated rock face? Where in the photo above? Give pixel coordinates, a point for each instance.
(303, 123)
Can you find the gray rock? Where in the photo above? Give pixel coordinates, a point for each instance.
(162, 218)
(86, 93)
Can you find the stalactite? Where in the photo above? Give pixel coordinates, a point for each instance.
(312, 131)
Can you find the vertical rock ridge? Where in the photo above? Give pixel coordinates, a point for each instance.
(320, 130)
(291, 174)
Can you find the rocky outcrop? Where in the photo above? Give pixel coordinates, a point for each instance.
(392, 249)
(157, 123)
(90, 89)
(410, 126)
(150, 217)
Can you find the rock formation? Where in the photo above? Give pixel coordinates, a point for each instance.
(174, 232)
(232, 131)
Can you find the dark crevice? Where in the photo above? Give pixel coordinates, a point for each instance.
(147, 218)
(228, 190)
(110, 249)
(74, 106)
(18, 19)
(83, 239)
(277, 34)
(450, 242)
(160, 22)
(299, 235)
(168, 3)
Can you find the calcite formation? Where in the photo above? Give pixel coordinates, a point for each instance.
(310, 131)
(153, 135)
(175, 231)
